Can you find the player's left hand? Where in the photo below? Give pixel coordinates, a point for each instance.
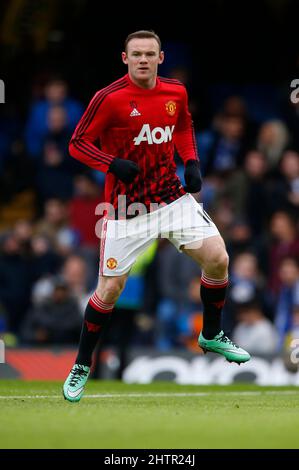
(193, 177)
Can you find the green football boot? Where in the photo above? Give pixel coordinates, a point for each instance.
(73, 387)
(221, 344)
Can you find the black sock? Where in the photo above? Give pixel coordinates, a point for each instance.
(97, 314)
(212, 292)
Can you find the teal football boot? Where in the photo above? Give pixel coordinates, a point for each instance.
(73, 387)
(221, 344)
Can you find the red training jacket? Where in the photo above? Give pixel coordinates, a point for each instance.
(142, 125)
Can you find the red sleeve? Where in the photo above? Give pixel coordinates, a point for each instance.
(184, 138)
(88, 131)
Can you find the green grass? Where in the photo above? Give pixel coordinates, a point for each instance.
(238, 416)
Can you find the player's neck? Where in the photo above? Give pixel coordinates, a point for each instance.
(146, 84)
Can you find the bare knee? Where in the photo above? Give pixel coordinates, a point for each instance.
(110, 288)
(217, 264)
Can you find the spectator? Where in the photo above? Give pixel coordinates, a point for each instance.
(15, 281)
(257, 190)
(55, 169)
(239, 238)
(285, 242)
(246, 188)
(273, 138)
(246, 282)
(256, 332)
(288, 299)
(227, 149)
(75, 271)
(285, 194)
(56, 320)
(44, 259)
(55, 226)
(37, 127)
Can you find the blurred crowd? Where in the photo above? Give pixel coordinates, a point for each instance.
(49, 253)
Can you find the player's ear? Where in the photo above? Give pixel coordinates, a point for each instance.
(161, 57)
(124, 58)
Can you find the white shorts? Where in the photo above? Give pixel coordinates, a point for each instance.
(182, 222)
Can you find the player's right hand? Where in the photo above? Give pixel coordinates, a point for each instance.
(125, 170)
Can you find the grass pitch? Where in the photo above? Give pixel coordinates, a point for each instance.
(114, 415)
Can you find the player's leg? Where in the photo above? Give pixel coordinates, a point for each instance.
(97, 314)
(121, 243)
(196, 235)
(212, 257)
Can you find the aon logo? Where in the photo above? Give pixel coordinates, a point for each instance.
(157, 136)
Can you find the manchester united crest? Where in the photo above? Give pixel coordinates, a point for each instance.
(170, 108)
(111, 263)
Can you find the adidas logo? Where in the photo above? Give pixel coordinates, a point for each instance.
(135, 112)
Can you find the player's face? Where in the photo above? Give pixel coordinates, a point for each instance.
(143, 57)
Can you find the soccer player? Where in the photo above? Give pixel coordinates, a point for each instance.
(129, 131)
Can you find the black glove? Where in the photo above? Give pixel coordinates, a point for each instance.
(193, 178)
(125, 170)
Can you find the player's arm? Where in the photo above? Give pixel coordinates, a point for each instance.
(89, 129)
(185, 144)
